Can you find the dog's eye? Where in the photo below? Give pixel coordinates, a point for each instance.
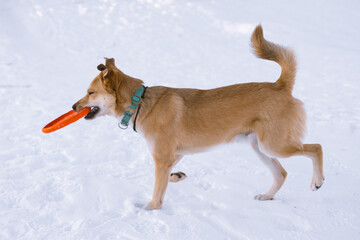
(91, 93)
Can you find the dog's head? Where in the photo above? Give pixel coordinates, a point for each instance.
(108, 93)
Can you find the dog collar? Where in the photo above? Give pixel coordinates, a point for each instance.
(135, 101)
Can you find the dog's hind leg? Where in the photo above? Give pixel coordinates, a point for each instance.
(275, 167)
(312, 151)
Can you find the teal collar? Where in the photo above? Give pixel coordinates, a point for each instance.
(135, 102)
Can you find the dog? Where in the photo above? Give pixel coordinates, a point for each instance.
(178, 121)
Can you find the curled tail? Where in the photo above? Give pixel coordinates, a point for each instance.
(283, 56)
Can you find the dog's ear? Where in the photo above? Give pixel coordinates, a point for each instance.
(101, 67)
(105, 72)
(107, 69)
(109, 62)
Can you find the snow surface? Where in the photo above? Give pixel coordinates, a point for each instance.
(92, 180)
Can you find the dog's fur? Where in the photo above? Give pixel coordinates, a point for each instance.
(176, 121)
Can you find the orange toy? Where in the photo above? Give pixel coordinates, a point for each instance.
(65, 120)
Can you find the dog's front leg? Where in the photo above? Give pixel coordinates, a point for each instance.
(163, 168)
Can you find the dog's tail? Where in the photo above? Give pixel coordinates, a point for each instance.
(283, 56)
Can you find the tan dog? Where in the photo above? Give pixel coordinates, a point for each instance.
(176, 121)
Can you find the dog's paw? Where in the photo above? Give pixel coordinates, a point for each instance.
(317, 183)
(263, 197)
(152, 206)
(176, 177)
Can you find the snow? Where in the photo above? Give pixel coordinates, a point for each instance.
(92, 180)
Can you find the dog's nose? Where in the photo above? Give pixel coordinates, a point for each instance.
(74, 107)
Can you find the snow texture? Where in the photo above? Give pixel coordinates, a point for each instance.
(92, 180)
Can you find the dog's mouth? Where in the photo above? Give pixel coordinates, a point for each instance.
(92, 113)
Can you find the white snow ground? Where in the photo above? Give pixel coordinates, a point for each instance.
(92, 180)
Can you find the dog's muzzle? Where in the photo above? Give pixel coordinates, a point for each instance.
(94, 110)
(74, 107)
